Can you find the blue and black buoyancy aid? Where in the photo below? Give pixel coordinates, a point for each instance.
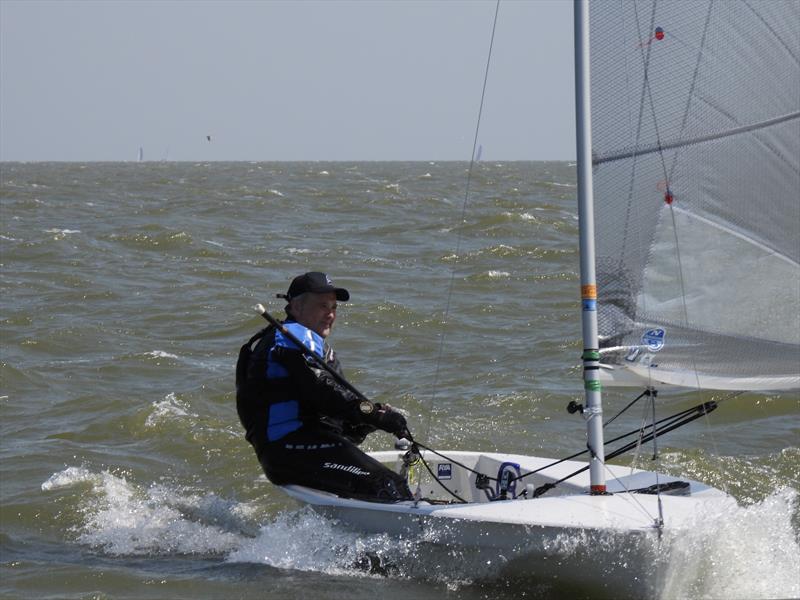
(284, 415)
(278, 390)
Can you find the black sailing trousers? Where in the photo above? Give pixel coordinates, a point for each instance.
(324, 460)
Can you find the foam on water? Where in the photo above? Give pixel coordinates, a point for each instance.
(305, 541)
(168, 408)
(748, 552)
(160, 354)
(122, 519)
(66, 478)
(62, 231)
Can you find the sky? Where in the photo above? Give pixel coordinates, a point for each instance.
(274, 80)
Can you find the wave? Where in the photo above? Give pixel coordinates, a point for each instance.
(122, 519)
(168, 408)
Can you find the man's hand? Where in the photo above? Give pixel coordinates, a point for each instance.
(384, 417)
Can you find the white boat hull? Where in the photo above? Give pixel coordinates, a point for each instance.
(608, 545)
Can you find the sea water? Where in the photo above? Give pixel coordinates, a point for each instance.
(127, 290)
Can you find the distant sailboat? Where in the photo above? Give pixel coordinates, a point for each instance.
(141, 154)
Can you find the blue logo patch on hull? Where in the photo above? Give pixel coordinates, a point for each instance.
(444, 471)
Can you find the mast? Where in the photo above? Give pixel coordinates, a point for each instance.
(593, 412)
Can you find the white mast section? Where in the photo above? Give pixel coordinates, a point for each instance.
(593, 412)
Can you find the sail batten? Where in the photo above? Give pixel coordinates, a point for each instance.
(696, 156)
(682, 143)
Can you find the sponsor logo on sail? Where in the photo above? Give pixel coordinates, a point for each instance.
(653, 339)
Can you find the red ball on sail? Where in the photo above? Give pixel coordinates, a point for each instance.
(659, 33)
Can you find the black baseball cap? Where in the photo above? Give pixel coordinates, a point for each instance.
(316, 283)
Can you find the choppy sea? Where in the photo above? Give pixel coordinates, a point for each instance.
(126, 290)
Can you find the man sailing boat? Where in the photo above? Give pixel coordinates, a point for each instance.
(304, 425)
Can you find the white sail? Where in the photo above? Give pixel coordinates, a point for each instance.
(696, 153)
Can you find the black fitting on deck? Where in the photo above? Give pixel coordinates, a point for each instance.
(574, 407)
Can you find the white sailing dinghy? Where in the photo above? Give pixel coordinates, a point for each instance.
(691, 150)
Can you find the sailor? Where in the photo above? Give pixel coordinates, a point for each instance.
(304, 425)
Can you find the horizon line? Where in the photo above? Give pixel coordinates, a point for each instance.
(307, 160)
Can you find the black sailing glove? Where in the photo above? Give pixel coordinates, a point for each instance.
(383, 417)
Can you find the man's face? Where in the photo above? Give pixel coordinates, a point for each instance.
(317, 312)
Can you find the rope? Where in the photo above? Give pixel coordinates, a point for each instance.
(647, 392)
(657, 428)
(437, 480)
